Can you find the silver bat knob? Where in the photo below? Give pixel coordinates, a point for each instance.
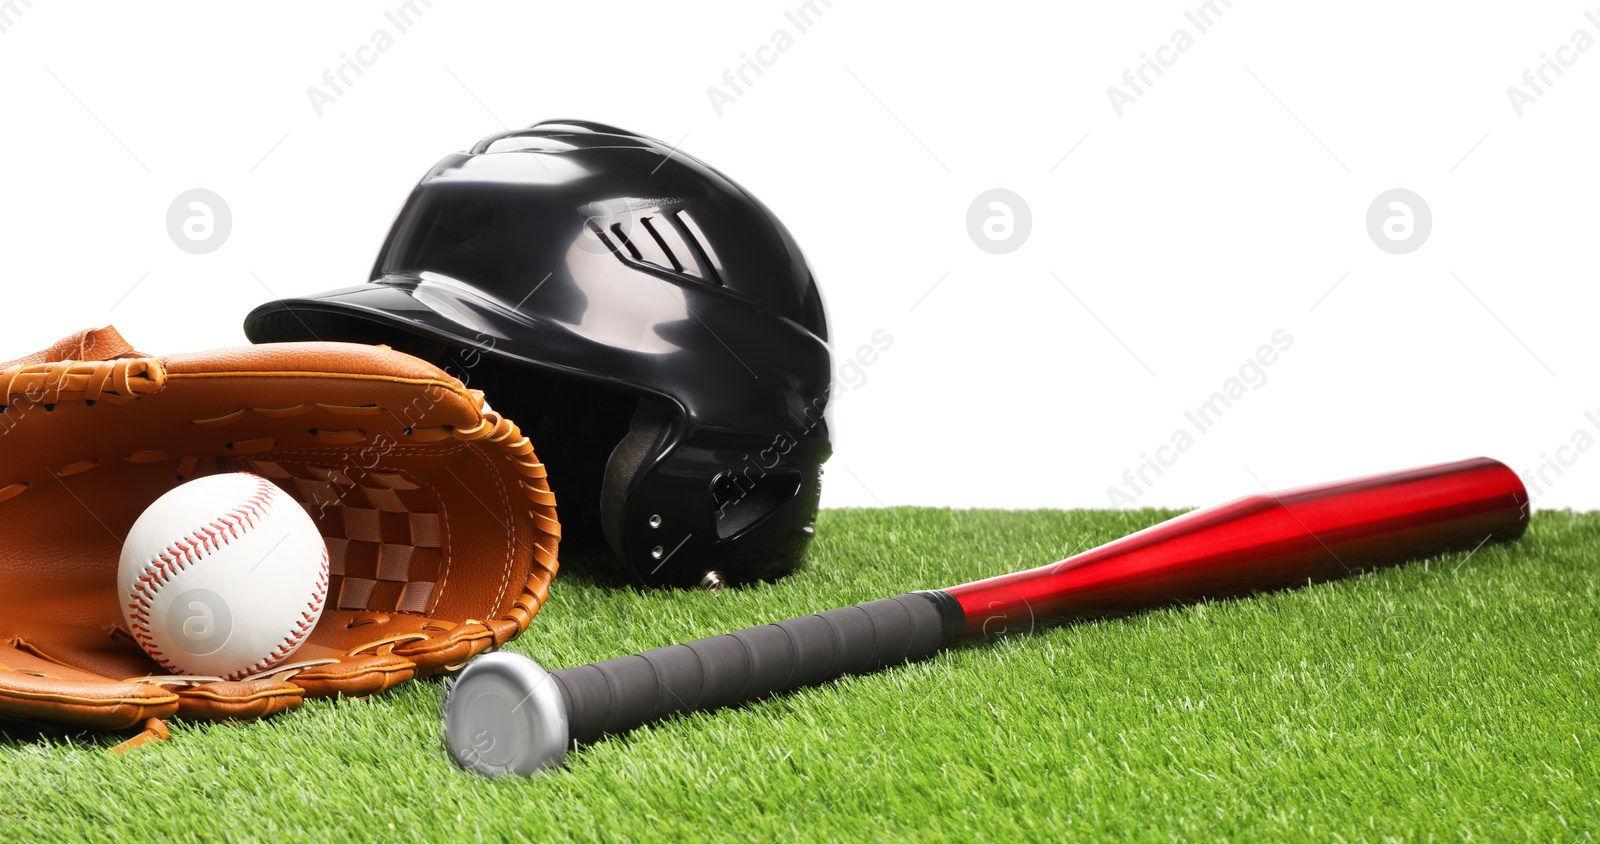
(504, 715)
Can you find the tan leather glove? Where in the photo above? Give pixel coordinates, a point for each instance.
(441, 528)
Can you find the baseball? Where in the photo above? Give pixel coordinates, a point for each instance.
(224, 576)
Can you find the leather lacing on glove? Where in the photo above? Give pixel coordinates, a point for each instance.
(439, 521)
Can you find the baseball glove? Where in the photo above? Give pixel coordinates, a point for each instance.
(440, 526)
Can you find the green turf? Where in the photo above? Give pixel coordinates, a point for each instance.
(1453, 698)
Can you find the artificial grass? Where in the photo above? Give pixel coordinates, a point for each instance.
(1452, 698)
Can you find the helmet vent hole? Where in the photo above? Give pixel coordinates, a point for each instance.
(744, 499)
(664, 243)
(627, 243)
(667, 254)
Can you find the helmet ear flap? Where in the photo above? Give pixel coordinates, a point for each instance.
(651, 426)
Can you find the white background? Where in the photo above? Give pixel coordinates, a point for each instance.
(1223, 205)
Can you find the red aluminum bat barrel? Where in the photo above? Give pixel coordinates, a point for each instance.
(505, 714)
(1266, 541)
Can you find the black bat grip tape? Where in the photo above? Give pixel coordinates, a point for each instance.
(617, 695)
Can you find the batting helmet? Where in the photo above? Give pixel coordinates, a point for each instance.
(649, 323)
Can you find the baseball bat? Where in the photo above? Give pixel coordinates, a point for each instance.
(507, 715)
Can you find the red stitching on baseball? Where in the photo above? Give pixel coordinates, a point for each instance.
(186, 551)
(301, 630)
